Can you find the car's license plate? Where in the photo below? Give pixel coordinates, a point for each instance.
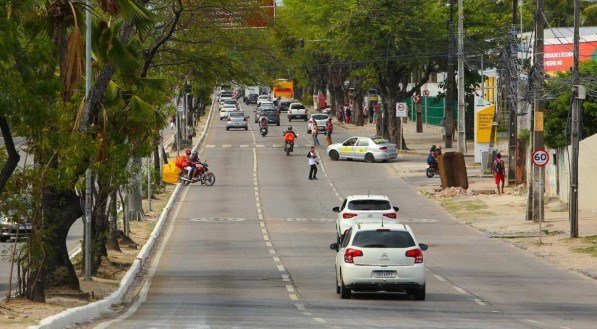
(383, 274)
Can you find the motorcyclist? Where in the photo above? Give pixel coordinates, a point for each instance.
(431, 161)
(263, 121)
(196, 163)
(190, 164)
(289, 136)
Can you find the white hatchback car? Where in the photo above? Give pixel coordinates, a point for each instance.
(364, 209)
(374, 257)
(226, 109)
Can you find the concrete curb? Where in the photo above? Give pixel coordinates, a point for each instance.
(93, 310)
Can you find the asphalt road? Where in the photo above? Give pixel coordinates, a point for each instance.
(252, 252)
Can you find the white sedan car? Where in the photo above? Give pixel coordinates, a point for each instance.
(358, 209)
(226, 109)
(320, 119)
(374, 257)
(370, 149)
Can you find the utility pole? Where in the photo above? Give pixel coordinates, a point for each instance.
(513, 98)
(538, 110)
(449, 121)
(461, 92)
(88, 187)
(575, 133)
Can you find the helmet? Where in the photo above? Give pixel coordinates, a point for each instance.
(433, 148)
(188, 151)
(289, 127)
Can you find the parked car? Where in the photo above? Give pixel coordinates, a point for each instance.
(9, 229)
(380, 257)
(363, 148)
(297, 111)
(358, 209)
(237, 119)
(225, 109)
(320, 119)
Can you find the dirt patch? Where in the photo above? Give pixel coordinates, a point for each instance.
(504, 216)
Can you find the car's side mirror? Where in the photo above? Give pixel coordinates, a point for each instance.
(396, 208)
(336, 209)
(335, 246)
(423, 246)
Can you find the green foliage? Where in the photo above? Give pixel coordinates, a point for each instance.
(558, 110)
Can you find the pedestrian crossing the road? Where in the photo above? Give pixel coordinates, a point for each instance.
(212, 146)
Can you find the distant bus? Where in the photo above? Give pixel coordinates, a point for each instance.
(283, 88)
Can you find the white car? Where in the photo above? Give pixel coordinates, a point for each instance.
(370, 149)
(226, 109)
(374, 257)
(320, 119)
(263, 98)
(226, 95)
(297, 111)
(359, 209)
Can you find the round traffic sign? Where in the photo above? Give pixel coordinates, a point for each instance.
(416, 98)
(425, 92)
(540, 157)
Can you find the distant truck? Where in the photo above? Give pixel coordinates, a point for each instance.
(283, 89)
(251, 94)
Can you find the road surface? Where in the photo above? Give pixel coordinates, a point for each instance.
(252, 251)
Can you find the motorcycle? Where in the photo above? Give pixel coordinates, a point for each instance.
(431, 171)
(288, 147)
(263, 131)
(205, 176)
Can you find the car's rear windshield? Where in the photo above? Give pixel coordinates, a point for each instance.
(319, 117)
(270, 110)
(230, 101)
(298, 106)
(383, 239)
(237, 114)
(378, 140)
(369, 205)
(226, 94)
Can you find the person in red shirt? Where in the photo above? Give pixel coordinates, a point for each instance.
(498, 172)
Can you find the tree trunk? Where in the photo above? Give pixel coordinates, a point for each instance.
(113, 236)
(54, 268)
(13, 155)
(99, 229)
(358, 106)
(135, 208)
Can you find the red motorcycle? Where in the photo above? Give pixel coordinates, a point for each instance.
(202, 175)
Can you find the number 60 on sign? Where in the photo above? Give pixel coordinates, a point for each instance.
(540, 157)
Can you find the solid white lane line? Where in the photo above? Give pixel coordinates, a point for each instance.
(460, 290)
(307, 313)
(290, 288)
(319, 320)
(152, 270)
(281, 268)
(227, 145)
(210, 146)
(244, 146)
(533, 321)
(439, 277)
(480, 302)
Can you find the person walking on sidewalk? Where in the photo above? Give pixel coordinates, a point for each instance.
(371, 113)
(314, 133)
(312, 164)
(348, 114)
(329, 128)
(498, 172)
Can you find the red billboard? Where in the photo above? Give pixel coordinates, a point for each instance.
(243, 14)
(558, 57)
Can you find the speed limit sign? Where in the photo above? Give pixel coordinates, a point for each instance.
(540, 157)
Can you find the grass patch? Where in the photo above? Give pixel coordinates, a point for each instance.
(467, 208)
(588, 246)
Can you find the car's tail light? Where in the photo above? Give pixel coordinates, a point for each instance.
(350, 254)
(417, 254)
(390, 215)
(383, 148)
(348, 215)
(229, 119)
